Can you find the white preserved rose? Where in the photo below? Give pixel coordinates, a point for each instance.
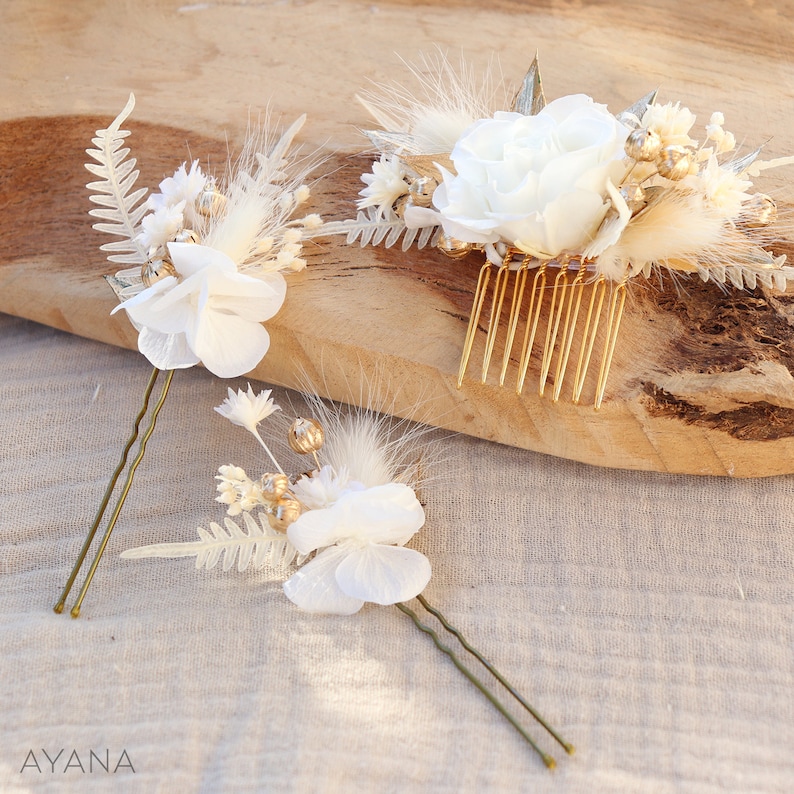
(538, 183)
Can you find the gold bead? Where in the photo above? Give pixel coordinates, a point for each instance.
(674, 162)
(305, 436)
(187, 236)
(643, 145)
(758, 212)
(211, 201)
(452, 247)
(284, 512)
(156, 270)
(421, 191)
(274, 486)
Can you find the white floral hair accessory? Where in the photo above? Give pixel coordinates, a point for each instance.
(563, 192)
(209, 258)
(341, 531)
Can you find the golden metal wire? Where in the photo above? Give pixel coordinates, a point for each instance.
(75, 611)
(499, 288)
(571, 316)
(616, 306)
(515, 313)
(589, 336)
(533, 314)
(476, 311)
(558, 303)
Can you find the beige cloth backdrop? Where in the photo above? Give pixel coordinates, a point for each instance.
(649, 617)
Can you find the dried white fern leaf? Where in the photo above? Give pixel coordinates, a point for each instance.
(120, 210)
(368, 229)
(261, 546)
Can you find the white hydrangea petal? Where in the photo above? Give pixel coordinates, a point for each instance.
(166, 351)
(162, 313)
(314, 587)
(147, 294)
(383, 574)
(315, 529)
(190, 258)
(388, 513)
(421, 217)
(256, 299)
(228, 345)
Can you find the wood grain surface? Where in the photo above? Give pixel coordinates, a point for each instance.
(701, 381)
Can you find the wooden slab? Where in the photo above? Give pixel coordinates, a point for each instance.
(700, 382)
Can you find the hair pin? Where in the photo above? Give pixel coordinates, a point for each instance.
(344, 526)
(208, 260)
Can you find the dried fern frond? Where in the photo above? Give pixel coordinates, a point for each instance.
(261, 546)
(120, 211)
(368, 229)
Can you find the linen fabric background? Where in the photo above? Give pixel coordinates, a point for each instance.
(648, 617)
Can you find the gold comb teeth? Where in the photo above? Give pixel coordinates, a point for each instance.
(568, 204)
(561, 286)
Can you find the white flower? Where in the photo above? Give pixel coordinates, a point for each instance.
(359, 563)
(211, 313)
(671, 122)
(722, 189)
(538, 183)
(324, 487)
(184, 186)
(237, 490)
(246, 409)
(161, 225)
(384, 185)
(725, 141)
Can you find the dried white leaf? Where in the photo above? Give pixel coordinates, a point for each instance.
(120, 211)
(260, 545)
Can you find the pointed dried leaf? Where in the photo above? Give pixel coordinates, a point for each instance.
(530, 99)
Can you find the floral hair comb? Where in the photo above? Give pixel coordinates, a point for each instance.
(344, 525)
(208, 261)
(569, 204)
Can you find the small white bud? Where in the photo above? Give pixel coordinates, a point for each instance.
(313, 221)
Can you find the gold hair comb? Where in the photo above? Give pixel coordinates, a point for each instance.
(568, 203)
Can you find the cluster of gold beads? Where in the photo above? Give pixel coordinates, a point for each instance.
(305, 436)
(673, 162)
